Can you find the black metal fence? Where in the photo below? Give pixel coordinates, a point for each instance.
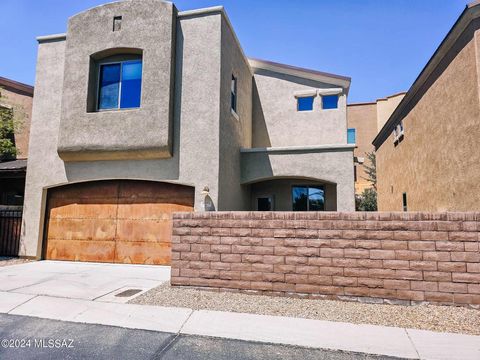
(10, 228)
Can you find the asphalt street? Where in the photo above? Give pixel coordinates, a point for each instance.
(25, 338)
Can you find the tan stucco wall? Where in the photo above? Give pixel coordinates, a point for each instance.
(281, 192)
(362, 118)
(235, 131)
(22, 105)
(195, 160)
(276, 121)
(334, 166)
(88, 135)
(437, 163)
(385, 108)
(206, 138)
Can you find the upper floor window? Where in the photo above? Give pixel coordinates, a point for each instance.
(233, 91)
(329, 102)
(398, 133)
(305, 103)
(308, 198)
(120, 85)
(351, 136)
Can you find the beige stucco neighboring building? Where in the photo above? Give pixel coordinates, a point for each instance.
(366, 120)
(427, 152)
(17, 98)
(141, 110)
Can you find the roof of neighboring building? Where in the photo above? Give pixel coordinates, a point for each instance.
(381, 99)
(471, 12)
(340, 80)
(14, 165)
(16, 86)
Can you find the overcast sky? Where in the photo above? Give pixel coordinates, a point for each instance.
(382, 45)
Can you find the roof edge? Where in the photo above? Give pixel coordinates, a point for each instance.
(343, 81)
(16, 85)
(470, 13)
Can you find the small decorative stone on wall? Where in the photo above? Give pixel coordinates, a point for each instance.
(404, 258)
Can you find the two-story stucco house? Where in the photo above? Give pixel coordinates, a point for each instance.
(141, 110)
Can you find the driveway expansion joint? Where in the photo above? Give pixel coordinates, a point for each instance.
(411, 341)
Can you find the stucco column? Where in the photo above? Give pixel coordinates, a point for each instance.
(346, 194)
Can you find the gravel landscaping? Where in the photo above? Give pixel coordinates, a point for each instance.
(6, 261)
(426, 317)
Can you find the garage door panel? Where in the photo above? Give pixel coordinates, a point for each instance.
(149, 231)
(153, 190)
(143, 253)
(95, 190)
(83, 208)
(82, 229)
(162, 211)
(78, 250)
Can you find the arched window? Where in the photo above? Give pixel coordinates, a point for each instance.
(115, 80)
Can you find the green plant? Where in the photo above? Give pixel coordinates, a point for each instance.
(11, 120)
(371, 169)
(367, 201)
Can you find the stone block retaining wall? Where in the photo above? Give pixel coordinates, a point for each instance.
(376, 257)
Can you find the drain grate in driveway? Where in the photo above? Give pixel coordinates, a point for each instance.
(128, 293)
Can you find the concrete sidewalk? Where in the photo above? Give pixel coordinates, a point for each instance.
(370, 339)
(86, 293)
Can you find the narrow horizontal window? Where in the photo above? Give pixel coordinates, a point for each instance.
(305, 103)
(329, 102)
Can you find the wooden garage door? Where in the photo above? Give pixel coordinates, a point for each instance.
(114, 221)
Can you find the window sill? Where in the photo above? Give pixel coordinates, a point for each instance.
(235, 115)
(113, 110)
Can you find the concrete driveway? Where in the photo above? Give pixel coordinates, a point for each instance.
(86, 281)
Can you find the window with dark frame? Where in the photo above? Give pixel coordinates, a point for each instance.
(264, 203)
(329, 102)
(120, 85)
(404, 200)
(305, 103)
(308, 198)
(234, 94)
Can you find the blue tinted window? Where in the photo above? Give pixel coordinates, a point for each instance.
(120, 85)
(308, 198)
(305, 103)
(131, 84)
(351, 136)
(109, 86)
(330, 102)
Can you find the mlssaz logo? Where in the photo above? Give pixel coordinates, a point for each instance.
(54, 343)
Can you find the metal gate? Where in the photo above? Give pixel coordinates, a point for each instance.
(10, 228)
